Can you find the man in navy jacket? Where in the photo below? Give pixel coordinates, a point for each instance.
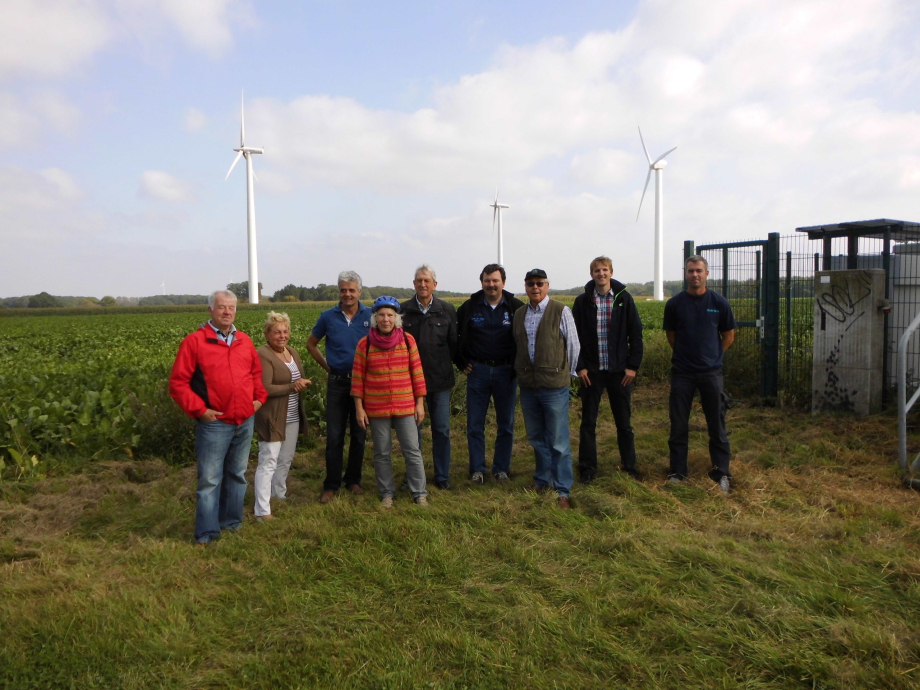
(610, 332)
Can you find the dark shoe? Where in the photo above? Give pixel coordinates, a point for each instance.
(564, 503)
(502, 477)
(539, 489)
(356, 489)
(633, 472)
(586, 478)
(477, 478)
(326, 497)
(444, 486)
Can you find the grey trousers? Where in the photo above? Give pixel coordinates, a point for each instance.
(407, 433)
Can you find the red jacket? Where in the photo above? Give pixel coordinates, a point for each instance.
(209, 374)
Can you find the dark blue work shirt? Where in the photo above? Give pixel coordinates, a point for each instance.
(697, 321)
(492, 338)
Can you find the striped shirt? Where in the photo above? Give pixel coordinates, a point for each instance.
(293, 413)
(388, 381)
(228, 338)
(604, 308)
(532, 318)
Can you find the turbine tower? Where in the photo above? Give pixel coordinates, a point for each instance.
(497, 213)
(658, 166)
(246, 152)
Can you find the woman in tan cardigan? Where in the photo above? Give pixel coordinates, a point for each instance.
(280, 420)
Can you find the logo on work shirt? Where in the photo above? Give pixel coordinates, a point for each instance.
(506, 320)
(713, 311)
(367, 324)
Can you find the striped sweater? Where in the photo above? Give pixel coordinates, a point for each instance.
(388, 381)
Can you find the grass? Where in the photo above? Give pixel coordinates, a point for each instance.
(808, 575)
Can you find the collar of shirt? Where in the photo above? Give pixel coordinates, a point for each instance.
(541, 306)
(348, 318)
(599, 296)
(220, 334)
(424, 309)
(494, 306)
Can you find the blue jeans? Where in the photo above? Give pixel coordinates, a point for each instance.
(340, 416)
(546, 417)
(499, 384)
(223, 453)
(439, 414)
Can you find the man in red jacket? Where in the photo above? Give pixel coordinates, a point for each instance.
(217, 379)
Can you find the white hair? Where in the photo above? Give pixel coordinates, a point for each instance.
(212, 298)
(396, 324)
(425, 268)
(350, 277)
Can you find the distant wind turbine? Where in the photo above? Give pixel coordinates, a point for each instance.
(246, 152)
(497, 213)
(658, 166)
(163, 286)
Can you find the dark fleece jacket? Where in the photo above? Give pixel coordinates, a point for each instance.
(624, 340)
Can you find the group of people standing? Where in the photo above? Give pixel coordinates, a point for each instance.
(386, 361)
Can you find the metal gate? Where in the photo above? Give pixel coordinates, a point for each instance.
(747, 275)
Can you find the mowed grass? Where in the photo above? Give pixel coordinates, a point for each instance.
(808, 575)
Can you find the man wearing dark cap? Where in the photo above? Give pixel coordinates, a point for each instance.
(547, 352)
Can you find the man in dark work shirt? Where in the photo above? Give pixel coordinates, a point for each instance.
(700, 328)
(486, 354)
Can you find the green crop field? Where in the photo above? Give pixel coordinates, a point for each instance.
(78, 386)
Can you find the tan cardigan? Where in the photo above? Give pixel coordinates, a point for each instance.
(271, 419)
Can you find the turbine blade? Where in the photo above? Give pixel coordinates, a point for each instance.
(242, 120)
(496, 195)
(644, 190)
(254, 176)
(494, 213)
(235, 161)
(648, 157)
(664, 154)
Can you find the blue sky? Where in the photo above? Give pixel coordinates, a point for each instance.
(388, 126)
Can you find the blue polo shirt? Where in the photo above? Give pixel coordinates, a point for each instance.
(342, 335)
(697, 321)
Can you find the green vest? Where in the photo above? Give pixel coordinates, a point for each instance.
(550, 366)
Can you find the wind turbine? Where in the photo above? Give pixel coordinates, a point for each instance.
(163, 286)
(658, 166)
(246, 152)
(497, 212)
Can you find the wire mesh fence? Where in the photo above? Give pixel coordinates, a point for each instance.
(741, 271)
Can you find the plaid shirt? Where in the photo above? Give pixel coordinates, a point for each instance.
(532, 318)
(604, 309)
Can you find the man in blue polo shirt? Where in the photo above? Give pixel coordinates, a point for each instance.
(342, 326)
(700, 327)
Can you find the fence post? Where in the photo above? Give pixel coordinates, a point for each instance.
(769, 346)
(725, 272)
(689, 250)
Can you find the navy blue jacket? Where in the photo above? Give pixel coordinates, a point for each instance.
(624, 341)
(463, 325)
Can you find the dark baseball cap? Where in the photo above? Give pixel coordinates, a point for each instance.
(536, 273)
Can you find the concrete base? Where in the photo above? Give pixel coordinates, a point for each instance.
(849, 341)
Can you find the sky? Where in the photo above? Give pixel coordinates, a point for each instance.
(388, 127)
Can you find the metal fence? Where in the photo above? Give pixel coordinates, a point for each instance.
(770, 284)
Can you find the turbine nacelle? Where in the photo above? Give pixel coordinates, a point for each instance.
(660, 165)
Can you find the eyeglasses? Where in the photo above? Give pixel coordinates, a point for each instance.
(535, 283)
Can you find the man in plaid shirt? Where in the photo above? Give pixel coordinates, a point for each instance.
(610, 333)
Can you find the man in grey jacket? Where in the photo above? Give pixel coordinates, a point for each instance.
(433, 324)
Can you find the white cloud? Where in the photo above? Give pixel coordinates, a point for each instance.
(160, 185)
(604, 167)
(195, 120)
(50, 37)
(66, 187)
(23, 119)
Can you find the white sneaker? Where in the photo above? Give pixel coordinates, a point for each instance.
(386, 502)
(421, 501)
(725, 486)
(477, 478)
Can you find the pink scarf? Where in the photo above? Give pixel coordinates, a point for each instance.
(385, 342)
